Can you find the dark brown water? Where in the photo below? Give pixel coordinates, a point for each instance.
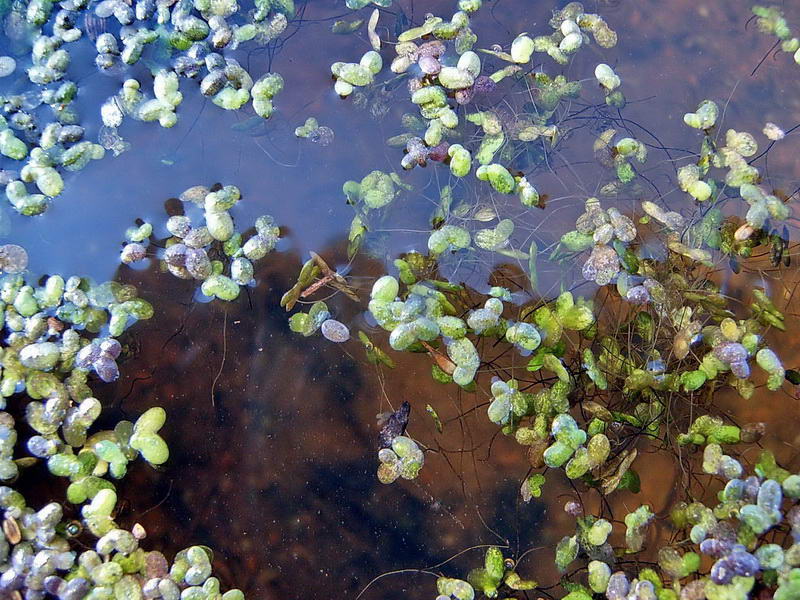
(273, 435)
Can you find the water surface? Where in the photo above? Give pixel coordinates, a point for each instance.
(273, 436)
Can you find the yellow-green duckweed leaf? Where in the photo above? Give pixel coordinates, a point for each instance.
(221, 287)
(704, 117)
(636, 525)
(515, 582)
(606, 77)
(553, 364)
(532, 487)
(308, 323)
(151, 420)
(599, 532)
(578, 464)
(700, 190)
(521, 49)
(524, 335)
(153, 448)
(599, 574)
(417, 32)
(496, 237)
(493, 563)
(498, 176)
(481, 580)
(455, 588)
(460, 160)
(528, 196)
(741, 142)
(599, 449)
(448, 237)
(566, 552)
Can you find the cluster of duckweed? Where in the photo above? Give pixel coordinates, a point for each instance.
(187, 38)
(602, 384)
(771, 21)
(748, 541)
(62, 329)
(403, 459)
(707, 348)
(313, 131)
(607, 233)
(497, 575)
(454, 83)
(135, 248)
(56, 146)
(53, 335)
(349, 76)
(318, 318)
(619, 155)
(40, 560)
(438, 77)
(215, 253)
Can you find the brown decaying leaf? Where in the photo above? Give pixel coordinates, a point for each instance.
(331, 278)
(445, 364)
(11, 530)
(612, 474)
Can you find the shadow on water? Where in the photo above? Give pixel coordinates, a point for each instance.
(273, 436)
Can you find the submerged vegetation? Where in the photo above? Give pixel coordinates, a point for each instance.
(626, 354)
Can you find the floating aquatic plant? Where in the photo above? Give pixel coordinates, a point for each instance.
(49, 326)
(312, 130)
(771, 21)
(351, 75)
(601, 388)
(205, 253)
(189, 37)
(47, 352)
(622, 391)
(731, 535)
(403, 459)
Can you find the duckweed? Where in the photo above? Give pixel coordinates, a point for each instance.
(602, 389)
(46, 357)
(312, 130)
(192, 37)
(204, 253)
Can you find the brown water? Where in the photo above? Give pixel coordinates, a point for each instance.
(273, 435)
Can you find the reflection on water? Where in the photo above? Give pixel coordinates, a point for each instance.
(273, 436)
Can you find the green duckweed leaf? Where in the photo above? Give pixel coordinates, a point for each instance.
(496, 237)
(532, 487)
(435, 416)
(448, 237)
(343, 27)
(515, 582)
(566, 552)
